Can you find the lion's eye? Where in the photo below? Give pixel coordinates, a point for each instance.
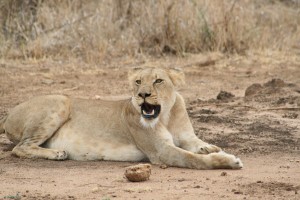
(158, 80)
(138, 82)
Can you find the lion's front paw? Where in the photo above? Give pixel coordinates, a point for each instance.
(209, 148)
(233, 161)
(237, 164)
(224, 160)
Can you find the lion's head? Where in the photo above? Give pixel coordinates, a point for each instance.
(154, 91)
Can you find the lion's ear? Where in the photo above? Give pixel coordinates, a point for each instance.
(177, 76)
(133, 73)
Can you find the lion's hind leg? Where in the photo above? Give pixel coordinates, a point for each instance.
(47, 116)
(29, 146)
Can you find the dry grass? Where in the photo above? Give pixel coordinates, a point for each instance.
(92, 30)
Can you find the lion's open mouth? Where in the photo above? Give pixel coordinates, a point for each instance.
(150, 111)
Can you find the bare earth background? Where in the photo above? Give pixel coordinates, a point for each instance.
(262, 128)
(245, 99)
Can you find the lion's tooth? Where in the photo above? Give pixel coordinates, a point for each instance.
(145, 113)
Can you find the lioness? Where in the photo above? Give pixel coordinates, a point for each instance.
(153, 124)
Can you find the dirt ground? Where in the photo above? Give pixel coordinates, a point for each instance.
(248, 105)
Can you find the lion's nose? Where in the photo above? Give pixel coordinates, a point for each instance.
(144, 94)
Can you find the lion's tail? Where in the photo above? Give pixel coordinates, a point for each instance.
(2, 125)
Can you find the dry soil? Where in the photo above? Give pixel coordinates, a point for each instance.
(248, 105)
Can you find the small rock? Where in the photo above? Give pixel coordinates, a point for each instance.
(97, 97)
(236, 191)
(138, 173)
(259, 182)
(163, 166)
(47, 81)
(223, 95)
(95, 189)
(224, 174)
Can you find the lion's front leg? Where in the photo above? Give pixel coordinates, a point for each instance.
(183, 133)
(187, 140)
(157, 144)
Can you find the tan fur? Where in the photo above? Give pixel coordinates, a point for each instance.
(58, 127)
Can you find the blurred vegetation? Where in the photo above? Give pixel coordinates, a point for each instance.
(92, 29)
